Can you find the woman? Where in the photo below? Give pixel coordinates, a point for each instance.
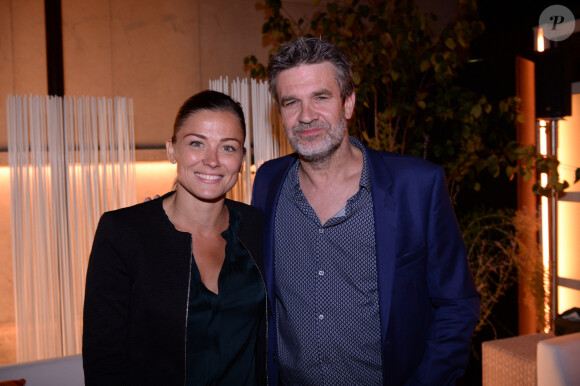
(175, 292)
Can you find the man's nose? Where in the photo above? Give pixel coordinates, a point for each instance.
(308, 113)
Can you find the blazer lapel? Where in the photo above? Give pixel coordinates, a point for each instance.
(385, 216)
(275, 178)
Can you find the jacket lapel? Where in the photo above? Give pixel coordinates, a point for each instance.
(385, 216)
(275, 177)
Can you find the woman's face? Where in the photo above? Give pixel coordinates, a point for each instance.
(209, 151)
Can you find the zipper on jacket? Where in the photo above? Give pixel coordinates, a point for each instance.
(187, 309)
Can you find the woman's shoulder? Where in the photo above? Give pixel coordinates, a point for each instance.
(143, 212)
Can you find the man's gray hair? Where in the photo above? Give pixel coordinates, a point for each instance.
(303, 50)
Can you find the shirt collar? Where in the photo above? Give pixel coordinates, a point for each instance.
(365, 178)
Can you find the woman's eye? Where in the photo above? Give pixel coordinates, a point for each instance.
(229, 148)
(196, 144)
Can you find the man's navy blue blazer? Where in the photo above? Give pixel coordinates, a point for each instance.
(429, 305)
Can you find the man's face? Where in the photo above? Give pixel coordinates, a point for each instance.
(313, 114)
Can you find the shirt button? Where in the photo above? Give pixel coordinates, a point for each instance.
(321, 273)
(321, 230)
(320, 317)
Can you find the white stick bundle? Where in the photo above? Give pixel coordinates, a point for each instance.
(70, 160)
(265, 138)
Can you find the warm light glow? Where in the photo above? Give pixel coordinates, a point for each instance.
(154, 177)
(543, 150)
(545, 229)
(540, 41)
(568, 262)
(569, 209)
(546, 258)
(5, 174)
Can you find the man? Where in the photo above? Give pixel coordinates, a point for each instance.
(364, 261)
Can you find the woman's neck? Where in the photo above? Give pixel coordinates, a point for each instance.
(189, 214)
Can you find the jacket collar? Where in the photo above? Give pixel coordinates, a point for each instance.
(385, 216)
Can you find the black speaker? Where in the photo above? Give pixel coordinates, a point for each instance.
(553, 89)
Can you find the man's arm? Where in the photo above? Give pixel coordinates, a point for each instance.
(454, 298)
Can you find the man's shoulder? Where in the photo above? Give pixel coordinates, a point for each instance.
(269, 178)
(400, 163)
(278, 162)
(275, 166)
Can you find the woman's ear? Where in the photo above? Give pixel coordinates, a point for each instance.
(170, 151)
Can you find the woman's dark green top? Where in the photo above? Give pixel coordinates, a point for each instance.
(222, 328)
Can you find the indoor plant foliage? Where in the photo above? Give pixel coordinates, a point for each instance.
(499, 250)
(410, 97)
(413, 99)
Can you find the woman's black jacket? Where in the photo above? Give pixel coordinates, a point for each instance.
(136, 297)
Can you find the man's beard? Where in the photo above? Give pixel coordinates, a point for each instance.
(328, 144)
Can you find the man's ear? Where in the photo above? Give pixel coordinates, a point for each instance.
(170, 150)
(349, 105)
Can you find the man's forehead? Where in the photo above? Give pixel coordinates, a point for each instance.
(309, 78)
(311, 67)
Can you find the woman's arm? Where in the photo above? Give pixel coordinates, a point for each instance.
(106, 308)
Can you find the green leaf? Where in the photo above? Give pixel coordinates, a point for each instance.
(561, 186)
(370, 57)
(476, 111)
(433, 59)
(503, 106)
(450, 43)
(509, 172)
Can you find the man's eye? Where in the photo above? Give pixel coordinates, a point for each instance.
(289, 103)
